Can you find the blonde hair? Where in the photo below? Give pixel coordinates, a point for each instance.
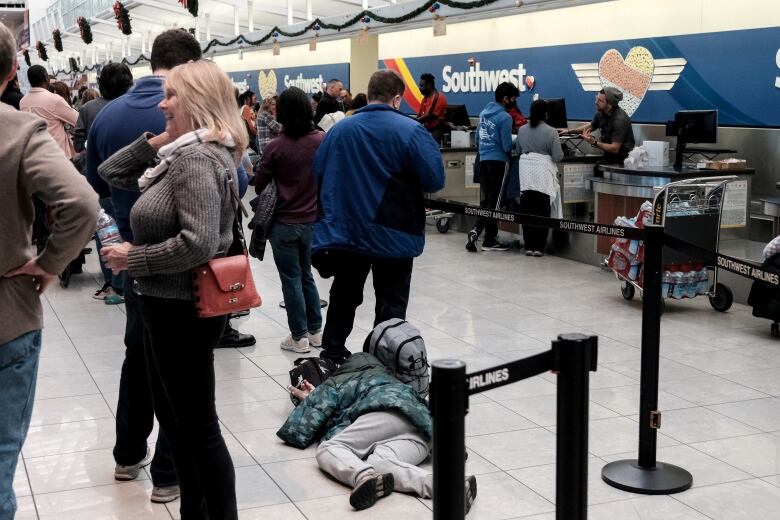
(206, 94)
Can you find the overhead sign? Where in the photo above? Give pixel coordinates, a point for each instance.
(736, 72)
(270, 82)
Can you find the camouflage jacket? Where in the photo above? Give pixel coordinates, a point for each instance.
(359, 386)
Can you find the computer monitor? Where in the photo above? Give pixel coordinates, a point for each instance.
(692, 126)
(457, 115)
(556, 113)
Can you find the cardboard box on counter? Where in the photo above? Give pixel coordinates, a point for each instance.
(727, 164)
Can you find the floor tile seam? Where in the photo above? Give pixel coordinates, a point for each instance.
(29, 485)
(532, 490)
(82, 487)
(722, 373)
(695, 448)
(87, 450)
(714, 404)
(34, 426)
(116, 483)
(251, 455)
(760, 430)
(725, 376)
(92, 378)
(497, 433)
(673, 497)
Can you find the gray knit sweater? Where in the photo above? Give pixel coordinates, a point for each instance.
(182, 220)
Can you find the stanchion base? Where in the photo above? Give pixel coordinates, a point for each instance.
(664, 479)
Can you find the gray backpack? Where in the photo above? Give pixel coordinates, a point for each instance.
(399, 346)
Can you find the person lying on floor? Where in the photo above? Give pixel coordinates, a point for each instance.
(373, 431)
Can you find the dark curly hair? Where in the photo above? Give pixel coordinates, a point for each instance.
(115, 79)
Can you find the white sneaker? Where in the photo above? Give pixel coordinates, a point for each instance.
(315, 339)
(300, 346)
(131, 472)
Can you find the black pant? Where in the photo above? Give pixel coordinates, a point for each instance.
(180, 355)
(135, 409)
(535, 203)
(491, 177)
(392, 278)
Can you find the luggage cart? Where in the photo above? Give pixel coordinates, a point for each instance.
(441, 218)
(691, 211)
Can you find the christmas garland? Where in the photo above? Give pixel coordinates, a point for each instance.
(42, 51)
(84, 29)
(190, 5)
(122, 18)
(57, 37)
(364, 17)
(26, 54)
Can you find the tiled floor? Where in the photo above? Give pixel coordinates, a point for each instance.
(720, 393)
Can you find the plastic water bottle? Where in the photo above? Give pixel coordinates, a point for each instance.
(666, 284)
(677, 283)
(704, 280)
(107, 230)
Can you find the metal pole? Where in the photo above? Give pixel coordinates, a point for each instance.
(575, 356)
(448, 408)
(646, 475)
(651, 339)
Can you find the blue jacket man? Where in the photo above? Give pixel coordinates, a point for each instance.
(373, 169)
(494, 141)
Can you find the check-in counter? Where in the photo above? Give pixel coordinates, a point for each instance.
(621, 191)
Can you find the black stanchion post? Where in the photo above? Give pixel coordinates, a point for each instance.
(575, 356)
(646, 475)
(448, 407)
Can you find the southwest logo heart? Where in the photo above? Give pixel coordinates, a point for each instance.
(266, 84)
(530, 81)
(632, 75)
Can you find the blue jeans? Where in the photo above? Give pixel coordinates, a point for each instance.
(291, 244)
(18, 371)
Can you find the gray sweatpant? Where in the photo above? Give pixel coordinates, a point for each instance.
(383, 442)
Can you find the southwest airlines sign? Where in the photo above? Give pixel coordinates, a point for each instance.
(269, 82)
(737, 72)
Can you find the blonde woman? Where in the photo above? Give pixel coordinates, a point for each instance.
(184, 218)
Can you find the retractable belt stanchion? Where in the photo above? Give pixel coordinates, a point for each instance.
(448, 408)
(572, 357)
(645, 474)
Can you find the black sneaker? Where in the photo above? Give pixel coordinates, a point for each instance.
(370, 489)
(471, 491)
(471, 244)
(494, 245)
(231, 338)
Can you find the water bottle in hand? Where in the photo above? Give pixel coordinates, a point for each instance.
(107, 230)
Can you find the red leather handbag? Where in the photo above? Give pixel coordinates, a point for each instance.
(225, 285)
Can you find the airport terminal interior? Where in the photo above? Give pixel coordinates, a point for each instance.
(698, 82)
(719, 388)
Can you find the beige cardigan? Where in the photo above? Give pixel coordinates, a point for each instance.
(33, 164)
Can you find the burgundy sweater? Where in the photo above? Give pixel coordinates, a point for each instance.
(288, 161)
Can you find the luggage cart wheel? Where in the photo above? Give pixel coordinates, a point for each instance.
(627, 290)
(775, 330)
(443, 225)
(722, 298)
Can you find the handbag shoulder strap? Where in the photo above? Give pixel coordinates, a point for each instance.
(238, 207)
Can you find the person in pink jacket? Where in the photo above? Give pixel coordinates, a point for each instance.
(50, 107)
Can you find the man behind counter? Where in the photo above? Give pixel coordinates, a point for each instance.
(617, 136)
(432, 108)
